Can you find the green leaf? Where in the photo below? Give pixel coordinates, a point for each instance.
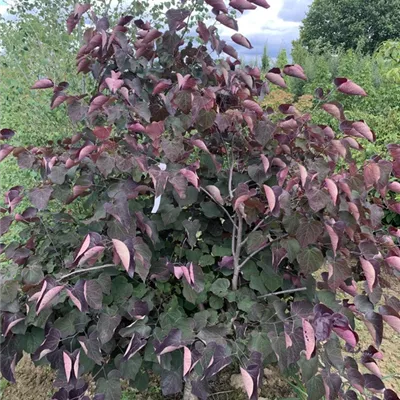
(255, 241)
(192, 227)
(216, 302)
(142, 256)
(205, 120)
(309, 368)
(111, 388)
(121, 290)
(170, 214)
(32, 275)
(9, 291)
(219, 251)
(206, 260)
(315, 388)
(210, 209)
(260, 342)
(220, 287)
(310, 260)
(292, 247)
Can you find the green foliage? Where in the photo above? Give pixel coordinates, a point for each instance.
(265, 60)
(347, 23)
(282, 59)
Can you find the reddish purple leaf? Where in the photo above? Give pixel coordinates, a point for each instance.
(113, 82)
(347, 86)
(215, 193)
(67, 365)
(76, 15)
(269, 193)
(369, 272)
(172, 341)
(102, 132)
(335, 109)
(253, 106)
(391, 317)
(241, 40)
(6, 134)
(44, 83)
(373, 383)
(275, 77)
(48, 297)
(187, 360)
(261, 3)
(97, 102)
(5, 223)
(49, 344)
(295, 70)
(218, 5)
(203, 31)
(393, 262)
(135, 344)
(161, 86)
(123, 253)
(242, 5)
(333, 236)
(309, 338)
(332, 189)
(5, 150)
(227, 21)
(91, 255)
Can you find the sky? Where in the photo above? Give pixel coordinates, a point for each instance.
(276, 26)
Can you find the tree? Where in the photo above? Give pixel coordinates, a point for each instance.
(265, 61)
(202, 228)
(346, 23)
(282, 59)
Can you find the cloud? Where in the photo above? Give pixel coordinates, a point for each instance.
(294, 10)
(265, 26)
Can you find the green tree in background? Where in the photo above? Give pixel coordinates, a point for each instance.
(282, 59)
(265, 61)
(344, 23)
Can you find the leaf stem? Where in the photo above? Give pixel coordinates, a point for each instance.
(79, 271)
(260, 249)
(283, 292)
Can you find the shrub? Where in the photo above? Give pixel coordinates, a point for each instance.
(202, 230)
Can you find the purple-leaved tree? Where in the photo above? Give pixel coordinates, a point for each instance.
(183, 228)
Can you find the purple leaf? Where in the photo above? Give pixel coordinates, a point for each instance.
(275, 77)
(391, 317)
(47, 298)
(295, 71)
(49, 344)
(113, 82)
(76, 15)
(356, 379)
(252, 375)
(261, 3)
(393, 261)
(242, 5)
(124, 255)
(389, 394)
(373, 383)
(77, 296)
(93, 294)
(135, 344)
(347, 86)
(43, 84)
(172, 341)
(9, 320)
(102, 132)
(218, 5)
(369, 272)
(40, 197)
(253, 106)
(106, 327)
(5, 150)
(374, 323)
(227, 21)
(6, 134)
(91, 347)
(5, 223)
(309, 338)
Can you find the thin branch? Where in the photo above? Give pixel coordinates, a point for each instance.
(255, 252)
(215, 201)
(254, 229)
(236, 255)
(233, 236)
(81, 271)
(283, 292)
(230, 179)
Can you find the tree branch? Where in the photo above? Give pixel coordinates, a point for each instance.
(230, 180)
(254, 229)
(283, 292)
(215, 201)
(236, 255)
(255, 252)
(79, 271)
